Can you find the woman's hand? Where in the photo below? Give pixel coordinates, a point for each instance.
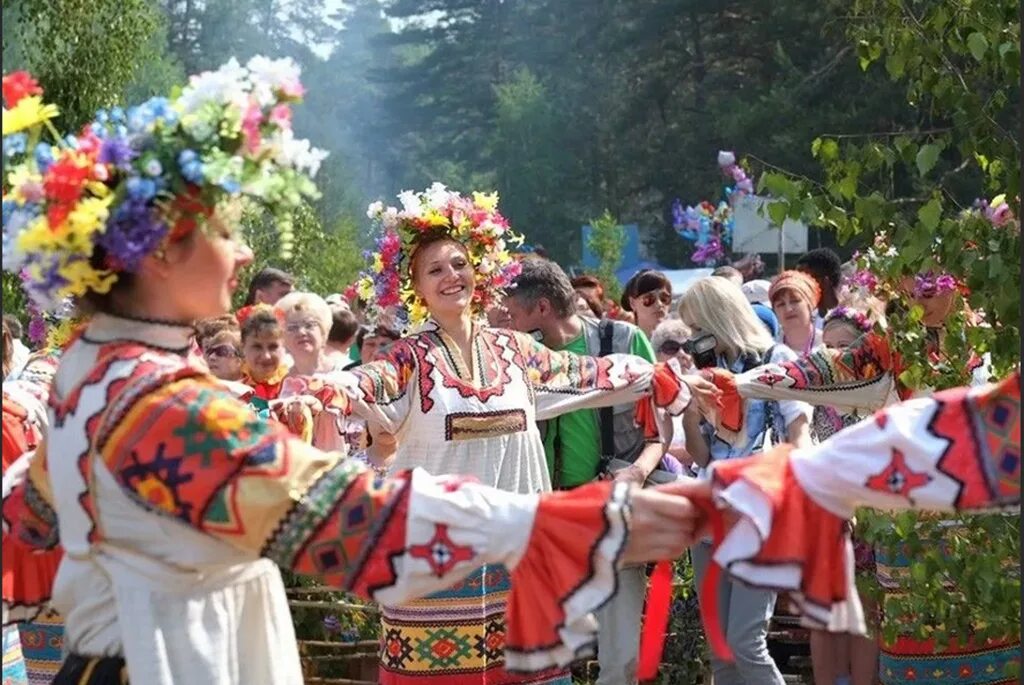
(664, 523)
(705, 393)
(631, 474)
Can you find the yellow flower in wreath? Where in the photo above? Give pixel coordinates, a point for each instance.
(29, 112)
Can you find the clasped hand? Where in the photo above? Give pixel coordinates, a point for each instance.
(666, 520)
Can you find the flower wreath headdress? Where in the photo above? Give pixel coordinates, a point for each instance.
(79, 213)
(438, 212)
(848, 315)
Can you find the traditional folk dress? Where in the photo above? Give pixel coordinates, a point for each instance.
(31, 575)
(861, 379)
(177, 505)
(479, 421)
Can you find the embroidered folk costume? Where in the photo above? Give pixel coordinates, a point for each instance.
(30, 574)
(861, 379)
(958, 450)
(174, 504)
(477, 418)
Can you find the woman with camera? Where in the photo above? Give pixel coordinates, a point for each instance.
(727, 334)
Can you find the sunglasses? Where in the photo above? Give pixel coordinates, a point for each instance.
(648, 299)
(222, 352)
(671, 347)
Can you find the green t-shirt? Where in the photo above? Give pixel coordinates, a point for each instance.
(578, 432)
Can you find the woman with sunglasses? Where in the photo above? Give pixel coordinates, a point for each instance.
(648, 294)
(221, 344)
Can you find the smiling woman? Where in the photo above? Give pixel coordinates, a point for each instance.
(173, 502)
(462, 397)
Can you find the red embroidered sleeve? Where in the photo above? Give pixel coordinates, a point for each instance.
(857, 377)
(957, 450)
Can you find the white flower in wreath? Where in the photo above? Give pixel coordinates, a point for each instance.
(297, 153)
(375, 210)
(271, 75)
(411, 205)
(389, 219)
(227, 85)
(437, 196)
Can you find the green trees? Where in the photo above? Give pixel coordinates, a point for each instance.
(83, 52)
(909, 191)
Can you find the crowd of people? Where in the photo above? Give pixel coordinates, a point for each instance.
(489, 450)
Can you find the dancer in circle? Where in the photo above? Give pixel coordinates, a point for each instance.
(462, 397)
(174, 504)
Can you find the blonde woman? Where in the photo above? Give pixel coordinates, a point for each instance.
(727, 334)
(307, 323)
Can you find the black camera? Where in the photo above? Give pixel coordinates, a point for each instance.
(702, 350)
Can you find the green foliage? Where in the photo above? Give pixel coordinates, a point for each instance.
(907, 191)
(14, 300)
(323, 260)
(686, 657)
(83, 52)
(607, 240)
(309, 624)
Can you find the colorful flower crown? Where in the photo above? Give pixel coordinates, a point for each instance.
(853, 317)
(474, 222)
(78, 213)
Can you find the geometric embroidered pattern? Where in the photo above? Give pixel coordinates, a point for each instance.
(484, 424)
(396, 649)
(298, 527)
(440, 552)
(491, 645)
(898, 478)
(443, 648)
(156, 482)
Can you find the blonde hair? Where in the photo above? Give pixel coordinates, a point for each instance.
(717, 305)
(299, 302)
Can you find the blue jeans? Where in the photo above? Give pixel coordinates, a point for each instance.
(744, 612)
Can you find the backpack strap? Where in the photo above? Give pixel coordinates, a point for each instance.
(606, 415)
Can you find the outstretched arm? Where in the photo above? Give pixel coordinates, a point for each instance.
(784, 513)
(255, 487)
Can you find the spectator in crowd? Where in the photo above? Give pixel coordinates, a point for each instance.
(592, 291)
(268, 286)
(344, 327)
(648, 294)
(373, 340)
(307, 323)
(19, 350)
(542, 302)
(729, 272)
(589, 306)
(263, 354)
(825, 267)
(794, 296)
(220, 341)
(722, 320)
(668, 340)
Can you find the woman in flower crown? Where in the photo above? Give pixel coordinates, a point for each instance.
(462, 397)
(175, 503)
